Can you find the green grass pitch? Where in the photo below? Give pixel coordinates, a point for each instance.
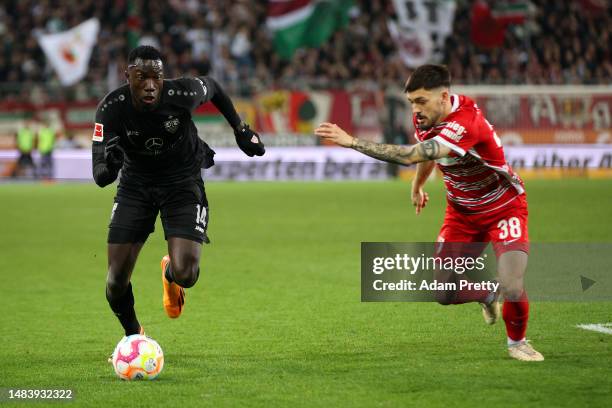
(276, 318)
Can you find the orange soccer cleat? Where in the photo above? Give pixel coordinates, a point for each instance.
(174, 295)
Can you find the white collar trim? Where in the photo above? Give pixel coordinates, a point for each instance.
(455, 102)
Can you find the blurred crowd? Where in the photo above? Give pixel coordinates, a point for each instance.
(559, 43)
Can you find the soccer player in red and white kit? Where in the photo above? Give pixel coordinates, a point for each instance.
(486, 199)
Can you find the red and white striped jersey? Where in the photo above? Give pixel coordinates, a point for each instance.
(477, 177)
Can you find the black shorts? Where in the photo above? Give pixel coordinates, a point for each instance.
(183, 208)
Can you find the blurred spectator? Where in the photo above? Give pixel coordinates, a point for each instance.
(563, 42)
(46, 144)
(68, 142)
(25, 139)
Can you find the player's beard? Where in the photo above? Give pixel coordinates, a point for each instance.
(424, 128)
(434, 119)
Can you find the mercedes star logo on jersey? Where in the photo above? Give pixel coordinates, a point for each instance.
(154, 143)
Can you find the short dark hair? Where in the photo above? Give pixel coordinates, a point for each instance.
(144, 52)
(428, 76)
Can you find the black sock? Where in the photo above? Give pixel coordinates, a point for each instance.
(168, 273)
(197, 276)
(123, 307)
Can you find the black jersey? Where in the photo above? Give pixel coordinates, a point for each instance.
(161, 146)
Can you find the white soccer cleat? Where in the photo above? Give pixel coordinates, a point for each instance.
(492, 310)
(523, 351)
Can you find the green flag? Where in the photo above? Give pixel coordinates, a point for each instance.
(305, 23)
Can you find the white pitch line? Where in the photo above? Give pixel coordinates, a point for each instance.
(605, 328)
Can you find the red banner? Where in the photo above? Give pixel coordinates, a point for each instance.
(537, 118)
(547, 119)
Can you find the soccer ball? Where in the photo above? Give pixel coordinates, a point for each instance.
(138, 357)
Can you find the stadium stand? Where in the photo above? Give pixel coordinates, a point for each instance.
(560, 43)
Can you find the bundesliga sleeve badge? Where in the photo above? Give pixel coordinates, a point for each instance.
(98, 134)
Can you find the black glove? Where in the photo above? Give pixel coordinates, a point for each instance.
(113, 154)
(248, 141)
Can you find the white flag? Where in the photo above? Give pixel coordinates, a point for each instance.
(432, 16)
(417, 22)
(414, 47)
(69, 51)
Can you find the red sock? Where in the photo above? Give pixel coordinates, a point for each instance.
(515, 316)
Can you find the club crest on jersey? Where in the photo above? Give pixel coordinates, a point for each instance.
(98, 133)
(171, 125)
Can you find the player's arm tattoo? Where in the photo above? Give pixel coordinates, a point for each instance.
(429, 149)
(405, 155)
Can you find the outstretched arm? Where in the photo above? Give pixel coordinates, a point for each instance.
(405, 155)
(223, 103)
(248, 141)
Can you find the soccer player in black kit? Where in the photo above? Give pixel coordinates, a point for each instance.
(144, 129)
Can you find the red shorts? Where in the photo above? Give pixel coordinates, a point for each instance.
(505, 228)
